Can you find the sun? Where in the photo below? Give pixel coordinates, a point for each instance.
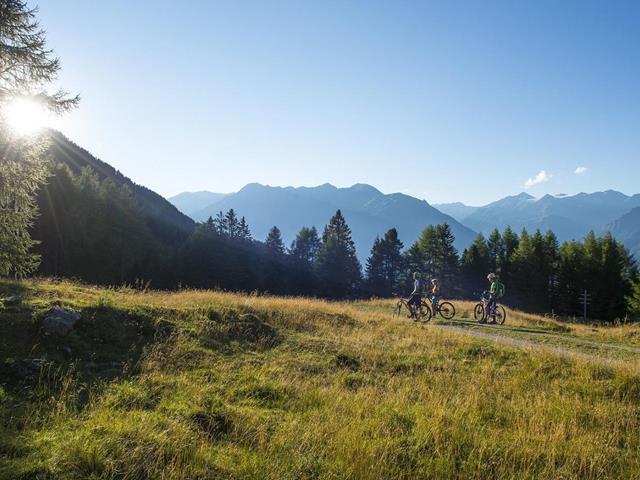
(25, 116)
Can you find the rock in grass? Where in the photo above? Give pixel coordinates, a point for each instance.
(12, 301)
(59, 321)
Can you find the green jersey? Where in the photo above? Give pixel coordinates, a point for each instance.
(497, 289)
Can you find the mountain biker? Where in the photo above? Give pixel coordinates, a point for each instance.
(435, 294)
(415, 299)
(496, 291)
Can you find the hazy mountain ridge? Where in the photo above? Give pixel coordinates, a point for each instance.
(370, 213)
(192, 202)
(570, 217)
(457, 210)
(627, 230)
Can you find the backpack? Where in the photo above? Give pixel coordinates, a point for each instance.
(500, 290)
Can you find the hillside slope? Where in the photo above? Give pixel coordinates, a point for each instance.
(369, 212)
(160, 214)
(201, 384)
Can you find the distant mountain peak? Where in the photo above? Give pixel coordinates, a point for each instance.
(524, 196)
(365, 187)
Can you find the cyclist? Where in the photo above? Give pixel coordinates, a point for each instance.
(435, 294)
(415, 299)
(496, 291)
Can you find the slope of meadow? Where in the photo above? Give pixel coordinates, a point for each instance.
(201, 384)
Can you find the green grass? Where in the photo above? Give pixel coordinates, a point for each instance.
(197, 384)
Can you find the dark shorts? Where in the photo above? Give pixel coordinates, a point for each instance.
(416, 299)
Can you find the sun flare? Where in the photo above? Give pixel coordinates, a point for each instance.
(26, 116)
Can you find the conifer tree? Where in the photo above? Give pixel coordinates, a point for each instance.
(495, 251)
(273, 243)
(337, 266)
(232, 224)
(439, 255)
(244, 233)
(304, 249)
(476, 262)
(384, 265)
(27, 66)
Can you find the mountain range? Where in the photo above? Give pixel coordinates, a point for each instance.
(368, 211)
(569, 216)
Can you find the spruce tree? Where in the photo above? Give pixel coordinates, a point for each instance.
(273, 243)
(412, 261)
(495, 251)
(27, 66)
(633, 301)
(304, 249)
(384, 265)
(244, 233)
(476, 262)
(337, 266)
(439, 255)
(232, 224)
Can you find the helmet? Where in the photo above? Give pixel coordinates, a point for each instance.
(491, 277)
(417, 275)
(435, 280)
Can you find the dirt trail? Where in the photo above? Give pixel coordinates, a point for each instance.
(557, 343)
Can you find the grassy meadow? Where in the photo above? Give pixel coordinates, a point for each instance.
(203, 384)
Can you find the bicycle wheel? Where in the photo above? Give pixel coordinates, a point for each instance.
(397, 309)
(447, 310)
(501, 314)
(424, 313)
(478, 312)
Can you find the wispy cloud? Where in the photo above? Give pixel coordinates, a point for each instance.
(581, 170)
(541, 177)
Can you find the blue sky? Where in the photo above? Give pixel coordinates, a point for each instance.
(446, 101)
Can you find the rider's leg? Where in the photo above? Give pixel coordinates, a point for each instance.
(491, 309)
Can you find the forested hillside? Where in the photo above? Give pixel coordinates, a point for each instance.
(165, 220)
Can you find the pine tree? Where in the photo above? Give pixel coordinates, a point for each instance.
(273, 243)
(496, 251)
(244, 233)
(412, 261)
(232, 224)
(510, 243)
(476, 262)
(304, 249)
(523, 278)
(633, 301)
(220, 223)
(439, 255)
(337, 266)
(26, 67)
(384, 265)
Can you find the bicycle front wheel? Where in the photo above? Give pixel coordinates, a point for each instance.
(447, 310)
(478, 312)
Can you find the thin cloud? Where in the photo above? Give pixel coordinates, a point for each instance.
(541, 177)
(581, 170)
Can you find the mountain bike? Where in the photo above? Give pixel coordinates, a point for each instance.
(481, 311)
(445, 309)
(422, 314)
